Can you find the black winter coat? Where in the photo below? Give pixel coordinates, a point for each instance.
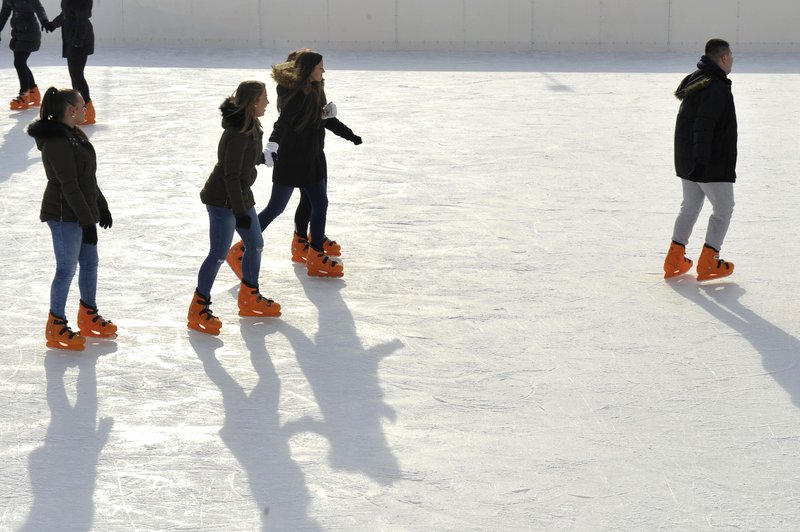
(301, 159)
(706, 130)
(25, 33)
(238, 154)
(69, 159)
(77, 33)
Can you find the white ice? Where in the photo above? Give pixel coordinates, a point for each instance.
(502, 354)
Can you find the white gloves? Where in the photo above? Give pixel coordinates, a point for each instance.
(271, 154)
(329, 111)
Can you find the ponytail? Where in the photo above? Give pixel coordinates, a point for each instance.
(55, 103)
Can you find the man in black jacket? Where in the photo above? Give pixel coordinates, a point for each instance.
(705, 160)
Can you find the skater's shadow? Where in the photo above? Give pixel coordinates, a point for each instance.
(63, 470)
(253, 432)
(780, 351)
(16, 146)
(343, 376)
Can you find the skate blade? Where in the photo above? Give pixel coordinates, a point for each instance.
(256, 314)
(66, 347)
(712, 276)
(325, 274)
(205, 330)
(93, 334)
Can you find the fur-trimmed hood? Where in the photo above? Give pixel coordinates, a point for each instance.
(41, 130)
(286, 75)
(707, 71)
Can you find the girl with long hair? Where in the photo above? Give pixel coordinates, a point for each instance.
(229, 201)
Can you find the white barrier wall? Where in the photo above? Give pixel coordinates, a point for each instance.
(668, 25)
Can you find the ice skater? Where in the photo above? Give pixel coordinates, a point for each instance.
(77, 37)
(26, 38)
(231, 207)
(297, 148)
(705, 160)
(72, 206)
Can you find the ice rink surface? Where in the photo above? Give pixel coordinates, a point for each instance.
(502, 353)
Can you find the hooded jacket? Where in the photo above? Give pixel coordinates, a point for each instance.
(77, 33)
(301, 159)
(706, 129)
(70, 163)
(238, 154)
(25, 33)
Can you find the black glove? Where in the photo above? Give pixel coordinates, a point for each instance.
(243, 221)
(48, 26)
(90, 235)
(356, 140)
(105, 219)
(698, 171)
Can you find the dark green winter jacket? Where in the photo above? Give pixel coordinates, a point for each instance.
(238, 154)
(70, 163)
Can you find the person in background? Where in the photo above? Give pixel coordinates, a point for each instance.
(72, 206)
(26, 38)
(705, 160)
(229, 201)
(77, 36)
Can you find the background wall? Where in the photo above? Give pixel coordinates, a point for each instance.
(666, 25)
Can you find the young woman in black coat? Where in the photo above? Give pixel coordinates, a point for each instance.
(26, 38)
(77, 36)
(297, 148)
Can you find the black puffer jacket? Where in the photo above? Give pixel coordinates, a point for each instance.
(706, 129)
(301, 159)
(238, 154)
(25, 33)
(77, 33)
(69, 159)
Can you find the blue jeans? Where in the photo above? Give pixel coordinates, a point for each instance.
(70, 252)
(222, 224)
(317, 195)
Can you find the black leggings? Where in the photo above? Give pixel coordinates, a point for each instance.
(302, 216)
(76, 65)
(24, 73)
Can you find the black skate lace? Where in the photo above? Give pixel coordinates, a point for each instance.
(326, 258)
(206, 308)
(329, 241)
(65, 328)
(97, 317)
(259, 297)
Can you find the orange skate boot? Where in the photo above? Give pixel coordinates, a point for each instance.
(253, 304)
(60, 336)
(676, 262)
(710, 266)
(35, 97)
(330, 247)
(299, 248)
(321, 265)
(89, 117)
(92, 324)
(200, 317)
(20, 103)
(234, 258)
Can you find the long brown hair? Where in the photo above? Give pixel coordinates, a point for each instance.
(303, 62)
(244, 99)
